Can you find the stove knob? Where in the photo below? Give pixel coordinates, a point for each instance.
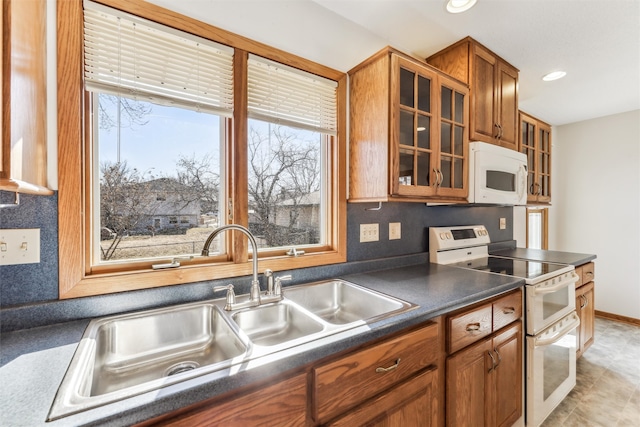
(442, 236)
(448, 235)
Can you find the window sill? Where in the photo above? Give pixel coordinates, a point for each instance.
(102, 283)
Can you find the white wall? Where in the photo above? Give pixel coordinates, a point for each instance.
(596, 204)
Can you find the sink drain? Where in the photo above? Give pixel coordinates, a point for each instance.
(181, 367)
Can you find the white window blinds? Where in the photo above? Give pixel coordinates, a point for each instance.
(291, 97)
(127, 55)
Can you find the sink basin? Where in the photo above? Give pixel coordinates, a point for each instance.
(135, 350)
(275, 324)
(121, 356)
(339, 302)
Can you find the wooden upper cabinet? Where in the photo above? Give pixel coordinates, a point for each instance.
(23, 166)
(493, 88)
(408, 131)
(535, 143)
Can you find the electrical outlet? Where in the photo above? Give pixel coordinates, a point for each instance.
(503, 223)
(394, 231)
(369, 233)
(20, 246)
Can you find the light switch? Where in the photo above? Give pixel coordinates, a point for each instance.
(21, 246)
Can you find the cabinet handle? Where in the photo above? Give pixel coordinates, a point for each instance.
(539, 189)
(473, 327)
(439, 177)
(390, 368)
(589, 274)
(499, 133)
(493, 361)
(495, 350)
(508, 310)
(585, 300)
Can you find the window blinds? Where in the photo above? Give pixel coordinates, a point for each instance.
(291, 97)
(134, 57)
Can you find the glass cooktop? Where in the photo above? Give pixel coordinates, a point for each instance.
(528, 270)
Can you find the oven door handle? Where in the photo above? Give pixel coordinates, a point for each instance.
(543, 342)
(551, 289)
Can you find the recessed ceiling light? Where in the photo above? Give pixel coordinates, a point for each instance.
(555, 75)
(458, 6)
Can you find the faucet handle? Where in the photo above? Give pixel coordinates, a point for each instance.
(278, 286)
(231, 295)
(268, 273)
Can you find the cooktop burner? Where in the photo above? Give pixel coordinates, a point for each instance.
(531, 271)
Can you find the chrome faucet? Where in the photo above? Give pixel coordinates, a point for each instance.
(254, 295)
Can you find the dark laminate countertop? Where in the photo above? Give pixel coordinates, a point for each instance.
(34, 361)
(545, 255)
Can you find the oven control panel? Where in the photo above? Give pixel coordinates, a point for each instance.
(446, 238)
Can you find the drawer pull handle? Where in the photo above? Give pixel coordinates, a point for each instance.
(473, 327)
(508, 310)
(390, 368)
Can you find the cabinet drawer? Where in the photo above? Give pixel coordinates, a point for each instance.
(588, 273)
(468, 327)
(507, 309)
(342, 384)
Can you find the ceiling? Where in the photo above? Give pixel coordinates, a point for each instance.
(597, 42)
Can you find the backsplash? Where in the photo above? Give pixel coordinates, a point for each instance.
(28, 283)
(28, 293)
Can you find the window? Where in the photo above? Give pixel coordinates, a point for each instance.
(538, 228)
(171, 117)
(291, 127)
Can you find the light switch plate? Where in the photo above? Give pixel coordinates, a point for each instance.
(503, 223)
(369, 233)
(21, 246)
(394, 231)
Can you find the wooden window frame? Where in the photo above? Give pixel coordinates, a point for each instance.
(76, 277)
(545, 225)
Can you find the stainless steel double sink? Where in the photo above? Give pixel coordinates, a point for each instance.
(125, 355)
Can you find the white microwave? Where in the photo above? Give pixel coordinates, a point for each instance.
(497, 175)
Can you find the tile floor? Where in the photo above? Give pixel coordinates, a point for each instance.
(607, 392)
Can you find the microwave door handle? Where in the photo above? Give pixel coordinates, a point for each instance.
(522, 188)
(550, 289)
(544, 342)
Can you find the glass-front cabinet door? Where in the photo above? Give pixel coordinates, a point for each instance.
(535, 143)
(544, 163)
(430, 132)
(414, 130)
(453, 156)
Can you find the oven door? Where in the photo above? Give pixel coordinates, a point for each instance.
(549, 301)
(551, 368)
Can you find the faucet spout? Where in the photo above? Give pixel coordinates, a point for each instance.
(255, 285)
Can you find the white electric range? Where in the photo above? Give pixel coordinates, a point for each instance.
(550, 318)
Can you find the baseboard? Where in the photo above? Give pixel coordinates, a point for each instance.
(618, 317)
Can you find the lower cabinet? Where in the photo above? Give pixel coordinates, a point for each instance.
(585, 307)
(280, 404)
(412, 403)
(484, 380)
(371, 383)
